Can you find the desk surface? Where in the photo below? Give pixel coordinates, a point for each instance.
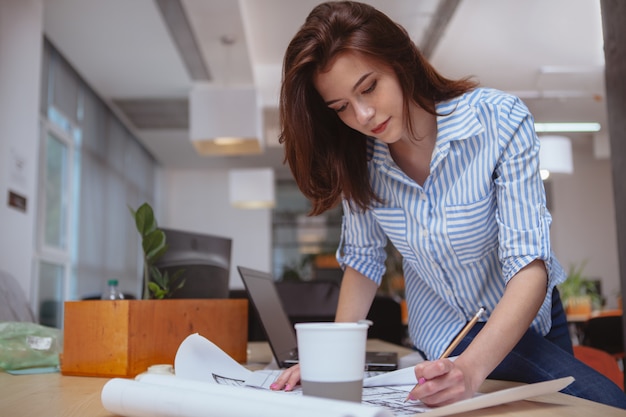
(70, 396)
(582, 318)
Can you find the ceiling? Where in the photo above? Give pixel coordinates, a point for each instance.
(143, 56)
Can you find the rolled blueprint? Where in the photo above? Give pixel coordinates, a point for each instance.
(166, 396)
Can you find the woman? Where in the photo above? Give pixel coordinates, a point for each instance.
(449, 173)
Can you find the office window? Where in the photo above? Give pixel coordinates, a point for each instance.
(56, 194)
(53, 241)
(94, 170)
(51, 289)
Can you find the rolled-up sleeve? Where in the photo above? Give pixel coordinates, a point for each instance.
(523, 219)
(362, 245)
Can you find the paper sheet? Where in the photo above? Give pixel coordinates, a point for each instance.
(502, 397)
(159, 395)
(199, 359)
(209, 383)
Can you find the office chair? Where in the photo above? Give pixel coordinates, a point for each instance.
(13, 303)
(201, 281)
(314, 301)
(386, 314)
(601, 361)
(605, 333)
(204, 260)
(309, 301)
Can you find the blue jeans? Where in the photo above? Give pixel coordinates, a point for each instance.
(539, 358)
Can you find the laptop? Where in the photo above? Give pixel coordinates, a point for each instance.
(280, 333)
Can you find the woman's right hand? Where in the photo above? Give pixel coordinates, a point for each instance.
(287, 380)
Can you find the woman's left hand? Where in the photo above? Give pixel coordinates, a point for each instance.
(442, 382)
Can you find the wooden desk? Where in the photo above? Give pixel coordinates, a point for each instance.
(55, 395)
(581, 318)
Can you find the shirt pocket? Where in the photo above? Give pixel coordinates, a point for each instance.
(472, 228)
(394, 224)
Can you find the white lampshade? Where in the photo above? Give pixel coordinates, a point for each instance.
(555, 155)
(251, 188)
(225, 120)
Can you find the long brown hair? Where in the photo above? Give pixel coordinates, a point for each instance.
(326, 157)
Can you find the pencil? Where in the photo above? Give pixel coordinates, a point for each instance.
(455, 342)
(463, 333)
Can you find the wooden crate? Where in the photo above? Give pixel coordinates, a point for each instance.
(123, 338)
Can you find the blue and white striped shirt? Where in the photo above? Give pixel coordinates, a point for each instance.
(479, 218)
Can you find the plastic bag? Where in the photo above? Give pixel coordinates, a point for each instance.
(29, 345)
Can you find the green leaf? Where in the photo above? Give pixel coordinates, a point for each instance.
(578, 284)
(153, 244)
(176, 277)
(180, 285)
(157, 285)
(160, 252)
(157, 277)
(144, 220)
(157, 292)
(153, 286)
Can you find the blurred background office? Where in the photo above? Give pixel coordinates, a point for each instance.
(98, 111)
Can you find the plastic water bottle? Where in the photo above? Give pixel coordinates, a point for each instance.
(113, 291)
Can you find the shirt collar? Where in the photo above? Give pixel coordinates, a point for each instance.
(457, 121)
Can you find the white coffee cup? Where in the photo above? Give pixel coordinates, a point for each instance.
(332, 359)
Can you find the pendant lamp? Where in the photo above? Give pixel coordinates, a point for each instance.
(251, 188)
(225, 120)
(555, 155)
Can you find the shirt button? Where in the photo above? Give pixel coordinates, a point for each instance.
(423, 197)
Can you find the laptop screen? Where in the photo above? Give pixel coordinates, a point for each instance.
(267, 303)
(280, 333)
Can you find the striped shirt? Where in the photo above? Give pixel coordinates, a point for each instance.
(479, 218)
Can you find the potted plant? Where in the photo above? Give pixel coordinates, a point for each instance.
(579, 293)
(156, 284)
(122, 338)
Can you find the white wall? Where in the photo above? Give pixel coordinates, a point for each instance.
(582, 204)
(583, 212)
(198, 201)
(20, 61)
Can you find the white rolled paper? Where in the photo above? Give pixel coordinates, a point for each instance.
(164, 396)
